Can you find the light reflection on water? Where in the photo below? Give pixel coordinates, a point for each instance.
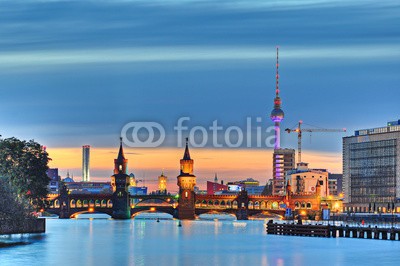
(148, 242)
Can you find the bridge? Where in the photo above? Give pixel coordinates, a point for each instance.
(185, 205)
(241, 205)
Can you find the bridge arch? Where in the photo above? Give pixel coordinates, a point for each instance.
(57, 203)
(263, 205)
(250, 205)
(234, 204)
(168, 201)
(109, 203)
(75, 214)
(198, 203)
(72, 203)
(103, 203)
(257, 205)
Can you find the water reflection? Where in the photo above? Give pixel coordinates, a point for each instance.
(148, 242)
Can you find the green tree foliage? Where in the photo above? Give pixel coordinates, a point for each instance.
(12, 206)
(24, 164)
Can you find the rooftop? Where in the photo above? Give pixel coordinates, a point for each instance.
(392, 126)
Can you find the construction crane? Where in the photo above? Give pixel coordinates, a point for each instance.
(299, 130)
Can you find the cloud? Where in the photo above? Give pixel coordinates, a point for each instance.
(190, 53)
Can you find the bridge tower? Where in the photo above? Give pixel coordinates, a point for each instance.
(186, 183)
(64, 203)
(120, 182)
(243, 205)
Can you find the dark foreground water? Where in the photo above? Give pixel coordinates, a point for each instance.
(146, 242)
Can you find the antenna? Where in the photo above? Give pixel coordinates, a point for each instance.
(277, 71)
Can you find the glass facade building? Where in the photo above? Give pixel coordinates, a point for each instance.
(371, 168)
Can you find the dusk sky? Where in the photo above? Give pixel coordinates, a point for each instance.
(75, 72)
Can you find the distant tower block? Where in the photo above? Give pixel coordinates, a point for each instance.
(86, 163)
(162, 183)
(186, 183)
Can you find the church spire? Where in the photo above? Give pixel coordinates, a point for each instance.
(186, 155)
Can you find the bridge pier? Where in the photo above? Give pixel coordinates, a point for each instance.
(369, 233)
(376, 233)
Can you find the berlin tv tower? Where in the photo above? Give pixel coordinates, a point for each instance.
(277, 114)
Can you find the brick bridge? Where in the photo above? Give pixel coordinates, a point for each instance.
(240, 205)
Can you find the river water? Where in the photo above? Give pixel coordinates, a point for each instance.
(148, 242)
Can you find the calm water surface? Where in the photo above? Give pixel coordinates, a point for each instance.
(146, 242)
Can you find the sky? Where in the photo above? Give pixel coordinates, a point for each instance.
(75, 72)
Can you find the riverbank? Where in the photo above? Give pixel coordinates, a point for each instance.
(26, 226)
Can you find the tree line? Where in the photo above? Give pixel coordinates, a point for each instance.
(23, 178)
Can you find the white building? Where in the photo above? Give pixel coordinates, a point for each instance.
(304, 180)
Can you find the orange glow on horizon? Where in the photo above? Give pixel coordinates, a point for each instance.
(229, 164)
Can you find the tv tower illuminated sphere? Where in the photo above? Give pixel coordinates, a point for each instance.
(277, 114)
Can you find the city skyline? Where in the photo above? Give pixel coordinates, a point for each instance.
(195, 59)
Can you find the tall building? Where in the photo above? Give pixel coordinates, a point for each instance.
(86, 163)
(371, 168)
(283, 159)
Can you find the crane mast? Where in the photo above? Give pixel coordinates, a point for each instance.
(299, 131)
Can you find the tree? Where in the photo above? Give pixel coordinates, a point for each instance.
(24, 164)
(11, 205)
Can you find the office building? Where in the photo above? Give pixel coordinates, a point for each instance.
(371, 168)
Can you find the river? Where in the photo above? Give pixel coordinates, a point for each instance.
(148, 242)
